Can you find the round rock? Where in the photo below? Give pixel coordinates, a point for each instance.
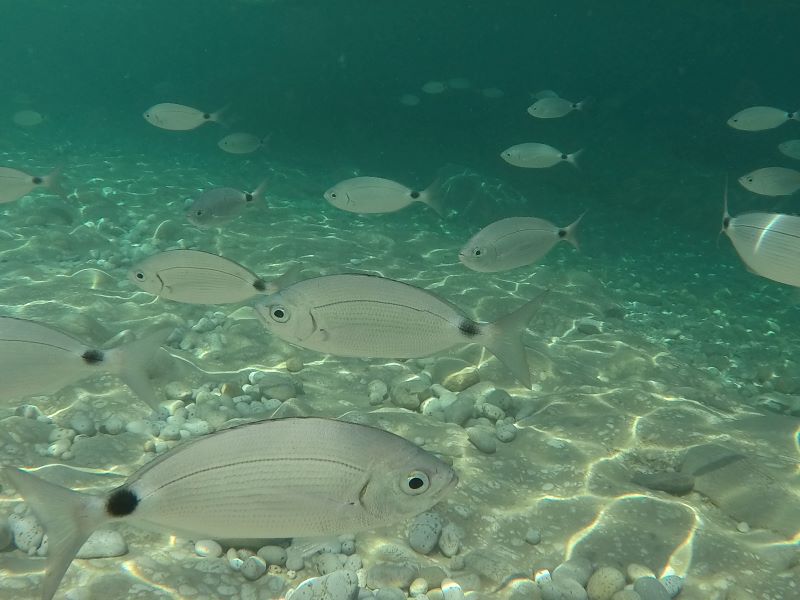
(483, 439)
(103, 543)
(649, 588)
(253, 567)
(604, 583)
(424, 532)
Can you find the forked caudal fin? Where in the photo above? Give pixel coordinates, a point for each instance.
(503, 338)
(130, 362)
(68, 518)
(433, 196)
(570, 232)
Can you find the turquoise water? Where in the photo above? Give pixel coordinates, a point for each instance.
(656, 351)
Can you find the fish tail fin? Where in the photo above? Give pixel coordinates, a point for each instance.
(223, 116)
(571, 232)
(433, 196)
(573, 158)
(585, 104)
(259, 192)
(53, 183)
(68, 518)
(289, 277)
(726, 216)
(503, 338)
(796, 115)
(265, 141)
(130, 362)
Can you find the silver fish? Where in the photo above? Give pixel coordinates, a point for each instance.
(36, 359)
(374, 317)
(767, 243)
(273, 479)
(515, 242)
(534, 155)
(760, 118)
(772, 181)
(241, 143)
(378, 195)
(216, 207)
(178, 117)
(196, 277)
(15, 184)
(554, 107)
(790, 148)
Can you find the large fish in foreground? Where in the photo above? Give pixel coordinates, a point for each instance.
(296, 477)
(514, 242)
(374, 317)
(15, 184)
(36, 359)
(196, 277)
(767, 243)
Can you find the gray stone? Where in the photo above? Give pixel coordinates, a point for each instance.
(383, 575)
(483, 439)
(649, 588)
(424, 532)
(676, 484)
(604, 583)
(253, 567)
(178, 390)
(103, 543)
(273, 555)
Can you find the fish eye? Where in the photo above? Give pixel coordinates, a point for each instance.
(476, 252)
(139, 275)
(416, 483)
(279, 314)
(333, 194)
(199, 213)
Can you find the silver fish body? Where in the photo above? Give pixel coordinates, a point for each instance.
(296, 477)
(772, 181)
(553, 107)
(761, 118)
(375, 317)
(535, 155)
(767, 243)
(371, 195)
(219, 206)
(514, 242)
(240, 143)
(196, 277)
(29, 349)
(178, 117)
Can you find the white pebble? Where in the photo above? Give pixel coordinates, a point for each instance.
(103, 543)
(27, 532)
(208, 548)
(533, 536)
(604, 583)
(418, 586)
(450, 540)
(743, 527)
(233, 559)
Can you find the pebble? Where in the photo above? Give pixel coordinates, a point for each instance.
(570, 589)
(418, 586)
(234, 561)
(383, 574)
(208, 548)
(409, 393)
(450, 540)
(577, 568)
(673, 584)
(490, 411)
(170, 433)
(589, 326)
(27, 532)
(273, 555)
(460, 410)
(743, 527)
(389, 594)
(424, 532)
(649, 588)
(294, 364)
(533, 536)
(451, 590)
(82, 424)
(483, 439)
(604, 583)
(340, 585)
(524, 589)
(377, 391)
(461, 380)
(626, 595)
(113, 425)
(253, 568)
(506, 432)
(635, 571)
(59, 448)
(328, 562)
(103, 543)
(178, 390)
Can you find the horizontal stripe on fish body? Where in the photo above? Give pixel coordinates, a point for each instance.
(197, 277)
(367, 316)
(296, 477)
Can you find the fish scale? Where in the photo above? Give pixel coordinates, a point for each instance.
(295, 477)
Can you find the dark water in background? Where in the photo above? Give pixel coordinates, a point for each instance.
(325, 77)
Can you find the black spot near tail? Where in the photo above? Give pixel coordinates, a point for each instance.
(38, 180)
(93, 357)
(121, 502)
(260, 285)
(415, 194)
(469, 328)
(248, 197)
(562, 233)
